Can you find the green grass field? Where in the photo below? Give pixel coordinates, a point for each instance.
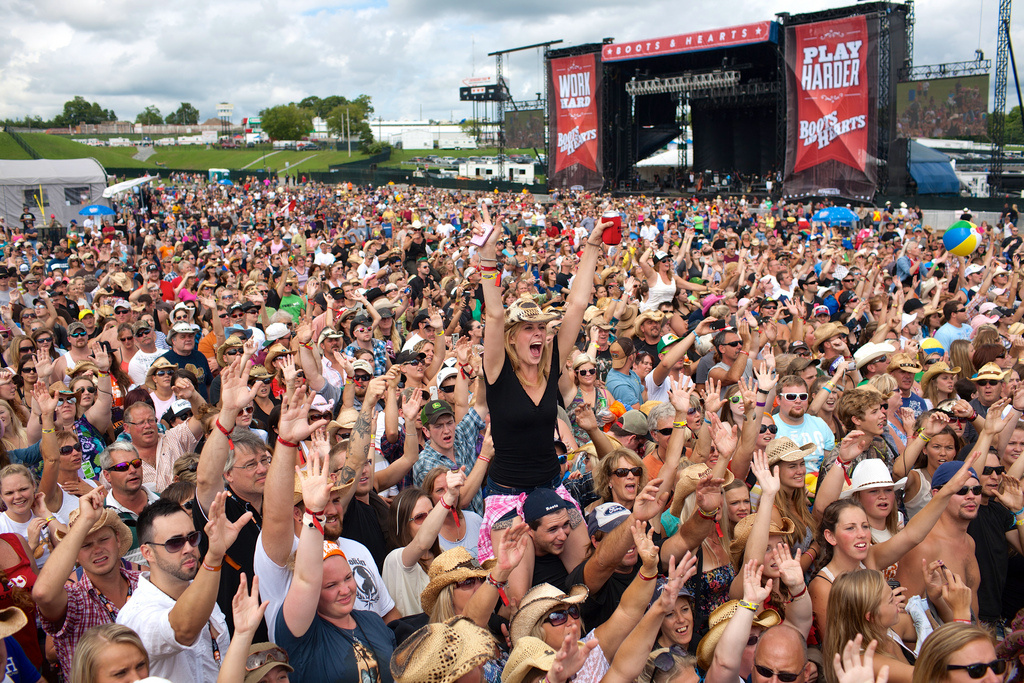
(9, 149)
(57, 147)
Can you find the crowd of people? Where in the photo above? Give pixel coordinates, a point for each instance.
(525, 439)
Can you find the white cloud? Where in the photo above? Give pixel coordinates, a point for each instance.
(405, 54)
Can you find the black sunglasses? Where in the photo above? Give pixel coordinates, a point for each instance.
(988, 382)
(68, 450)
(998, 667)
(27, 349)
(667, 431)
(233, 352)
(142, 333)
(174, 544)
(773, 429)
(976, 490)
(732, 343)
(784, 676)
(626, 471)
(559, 617)
(989, 471)
(591, 371)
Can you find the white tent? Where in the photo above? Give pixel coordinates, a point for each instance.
(66, 186)
(668, 158)
(127, 185)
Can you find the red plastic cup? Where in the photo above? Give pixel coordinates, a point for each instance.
(613, 235)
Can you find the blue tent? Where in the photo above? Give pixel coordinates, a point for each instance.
(932, 171)
(835, 215)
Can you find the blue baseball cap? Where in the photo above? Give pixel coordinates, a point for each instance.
(947, 471)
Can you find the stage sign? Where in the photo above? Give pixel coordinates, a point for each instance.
(831, 76)
(942, 107)
(575, 140)
(697, 41)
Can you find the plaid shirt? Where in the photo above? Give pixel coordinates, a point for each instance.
(380, 354)
(465, 447)
(84, 611)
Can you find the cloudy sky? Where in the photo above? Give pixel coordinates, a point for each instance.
(408, 55)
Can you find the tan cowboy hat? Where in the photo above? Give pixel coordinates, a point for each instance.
(526, 310)
(652, 314)
(626, 321)
(991, 371)
(450, 567)
(608, 273)
(231, 342)
(826, 332)
(258, 372)
(934, 371)
(784, 449)
(122, 281)
(160, 363)
(902, 361)
(12, 620)
(108, 518)
(442, 653)
(275, 352)
(529, 653)
(741, 532)
(687, 484)
(717, 622)
(537, 602)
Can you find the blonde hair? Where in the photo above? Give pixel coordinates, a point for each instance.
(854, 596)
(545, 357)
(960, 356)
(96, 640)
(885, 383)
(603, 472)
(14, 427)
(941, 645)
(444, 605)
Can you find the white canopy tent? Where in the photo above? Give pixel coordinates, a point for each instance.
(668, 158)
(61, 186)
(126, 185)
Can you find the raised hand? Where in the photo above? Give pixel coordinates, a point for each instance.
(753, 591)
(183, 388)
(709, 492)
(851, 667)
(790, 571)
(570, 657)
(648, 504)
(1009, 493)
(221, 532)
(47, 403)
(100, 356)
(645, 546)
(585, 418)
(768, 479)
(90, 506)
(510, 550)
(316, 482)
(680, 395)
(246, 607)
(766, 377)
(411, 409)
(934, 423)
(852, 445)
(712, 396)
(375, 388)
(725, 436)
(293, 425)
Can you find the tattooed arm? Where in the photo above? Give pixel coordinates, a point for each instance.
(361, 440)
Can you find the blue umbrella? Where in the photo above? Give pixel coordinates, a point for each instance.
(225, 181)
(835, 215)
(96, 210)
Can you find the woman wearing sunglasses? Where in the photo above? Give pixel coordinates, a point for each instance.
(619, 477)
(46, 346)
(582, 389)
(414, 522)
(959, 653)
(160, 382)
(70, 465)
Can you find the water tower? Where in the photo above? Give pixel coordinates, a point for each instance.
(224, 112)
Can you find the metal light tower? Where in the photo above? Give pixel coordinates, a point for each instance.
(998, 127)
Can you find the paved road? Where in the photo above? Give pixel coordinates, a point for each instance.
(258, 161)
(144, 152)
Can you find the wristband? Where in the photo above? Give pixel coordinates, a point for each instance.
(679, 425)
(762, 391)
(289, 444)
(708, 420)
(708, 515)
(753, 607)
(49, 519)
(1019, 512)
(962, 621)
(49, 431)
(212, 569)
(975, 416)
(797, 595)
(445, 505)
(308, 345)
(500, 585)
(827, 389)
(481, 458)
(760, 404)
(646, 578)
(923, 437)
(314, 521)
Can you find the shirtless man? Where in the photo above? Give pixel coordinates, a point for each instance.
(949, 533)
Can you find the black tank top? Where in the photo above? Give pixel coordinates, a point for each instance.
(524, 446)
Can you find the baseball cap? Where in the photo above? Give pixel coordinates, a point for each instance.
(619, 354)
(404, 357)
(634, 422)
(542, 502)
(947, 471)
(666, 341)
(606, 517)
(434, 410)
(363, 365)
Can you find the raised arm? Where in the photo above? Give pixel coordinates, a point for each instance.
(431, 527)
(99, 411)
(580, 291)
(247, 612)
(725, 664)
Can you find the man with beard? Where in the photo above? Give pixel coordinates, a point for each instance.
(281, 526)
(794, 422)
(234, 460)
(174, 608)
(948, 533)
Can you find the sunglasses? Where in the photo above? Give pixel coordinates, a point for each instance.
(254, 382)
(258, 659)
(361, 378)
(248, 409)
(420, 518)
(313, 416)
(68, 450)
(998, 667)
(559, 617)
(184, 416)
(736, 398)
(784, 676)
(626, 471)
(469, 583)
(771, 429)
(233, 352)
(976, 490)
(125, 466)
(71, 400)
(125, 340)
(795, 397)
(28, 349)
(174, 544)
(988, 382)
(163, 373)
(44, 340)
(733, 344)
(562, 459)
(89, 390)
(591, 371)
(988, 471)
(667, 431)
(447, 390)
(142, 333)
(28, 369)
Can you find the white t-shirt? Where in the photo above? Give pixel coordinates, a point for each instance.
(275, 581)
(139, 365)
(404, 583)
(9, 526)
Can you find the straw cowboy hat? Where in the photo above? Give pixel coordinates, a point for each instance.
(231, 342)
(826, 332)
(275, 352)
(450, 567)
(784, 449)
(160, 363)
(741, 532)
(933, 371)
(526, 310)
(717, 622)
(258, 372)
(687, 484)
(12, 620)
(442, 653)
(871, 474)
(627, 321)
(528, 654)
(537, 602)
(108, 518)
(652, 314)
(265, 657)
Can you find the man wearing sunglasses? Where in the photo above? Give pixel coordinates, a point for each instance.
(781, 655)
(183, 353)
(174, 609)
(989, 380)
(955, 317)
(903, 368)
(146, 353)
(128, 496)
(793, 421)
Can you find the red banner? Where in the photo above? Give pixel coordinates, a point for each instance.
(690, 42)
(832, 93)
(576, 134)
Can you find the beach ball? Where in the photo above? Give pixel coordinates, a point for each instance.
(961, 238)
